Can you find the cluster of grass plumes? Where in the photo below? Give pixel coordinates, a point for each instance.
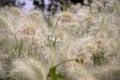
(32, 45)
(21, 36)
(111, 73)
(94, 34)
(27, 69)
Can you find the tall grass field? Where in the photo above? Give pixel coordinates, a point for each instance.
(80, 43)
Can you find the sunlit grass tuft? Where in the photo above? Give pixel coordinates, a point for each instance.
(27, 69)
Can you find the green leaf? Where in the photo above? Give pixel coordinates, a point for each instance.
(14, 52)
(60, 76)
(82, 61)
(20, 48)
(77, 60)
(52, 73)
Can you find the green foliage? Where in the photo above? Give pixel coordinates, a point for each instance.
(51, 43)
(3, 22)
(53, 70)
(2, 42)
(18, 50)
(53, 75)
(99, 59)
(51, 40)
(21, 49)
(53, 9)
(79, 60)
(64, 7)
